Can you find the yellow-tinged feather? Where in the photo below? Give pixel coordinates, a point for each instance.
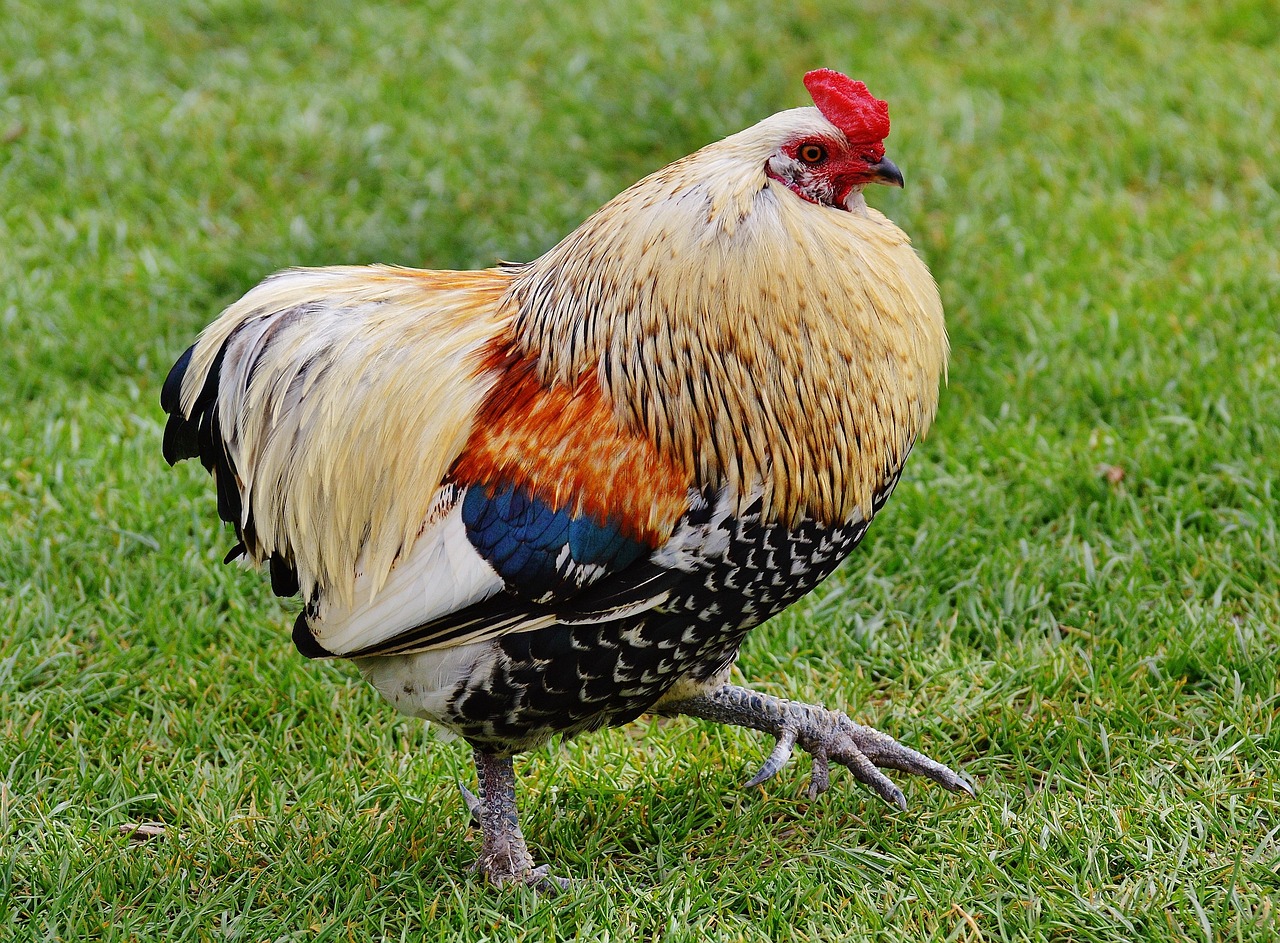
(758, 338)
(360, 395)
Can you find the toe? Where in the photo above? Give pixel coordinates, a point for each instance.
(820, 781)
(544, 882)
(865, 772)
(881, 750)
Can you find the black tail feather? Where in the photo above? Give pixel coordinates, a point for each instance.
(284, 578)
(180, 438)
(305, 642)
(198, 434)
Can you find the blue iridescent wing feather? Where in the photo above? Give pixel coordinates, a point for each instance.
(542, 552)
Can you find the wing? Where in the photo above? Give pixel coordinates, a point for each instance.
(701, 534)
(526, 567)
(388, 455)
(552, 512)
(329, 405)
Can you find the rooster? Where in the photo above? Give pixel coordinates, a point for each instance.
(546, 498)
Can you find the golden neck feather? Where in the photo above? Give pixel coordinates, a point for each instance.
(759, 340)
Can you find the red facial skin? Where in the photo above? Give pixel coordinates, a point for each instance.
(840, 169)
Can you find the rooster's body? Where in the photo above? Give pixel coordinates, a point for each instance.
(550, 497)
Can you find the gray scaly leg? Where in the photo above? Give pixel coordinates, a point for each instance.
(504, 856)
(828, 735)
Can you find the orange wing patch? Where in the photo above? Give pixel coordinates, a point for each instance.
(564, 446)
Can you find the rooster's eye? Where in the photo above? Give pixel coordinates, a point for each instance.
(812, 153)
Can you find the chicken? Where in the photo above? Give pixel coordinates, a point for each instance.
(550, 497)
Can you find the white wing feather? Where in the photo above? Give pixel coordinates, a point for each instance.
(441, 574)
(344, 396)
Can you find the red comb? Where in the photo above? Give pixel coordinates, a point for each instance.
(848, 105)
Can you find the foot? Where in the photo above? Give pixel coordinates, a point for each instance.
(830, 736)
(504, 855)
(539, 879)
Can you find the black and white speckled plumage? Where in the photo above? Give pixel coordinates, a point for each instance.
(568, 678)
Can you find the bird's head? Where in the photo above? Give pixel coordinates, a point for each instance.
(829, 159)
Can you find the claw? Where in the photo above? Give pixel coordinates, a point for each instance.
(474, 804)
(776, 759)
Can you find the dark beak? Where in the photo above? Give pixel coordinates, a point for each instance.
(887, 172)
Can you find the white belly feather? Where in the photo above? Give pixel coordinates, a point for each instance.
(422, 684)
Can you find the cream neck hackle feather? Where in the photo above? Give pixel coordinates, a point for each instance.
(762, 340)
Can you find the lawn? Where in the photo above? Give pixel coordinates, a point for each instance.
(1073, 595)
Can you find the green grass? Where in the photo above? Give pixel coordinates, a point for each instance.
(1095, 187)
